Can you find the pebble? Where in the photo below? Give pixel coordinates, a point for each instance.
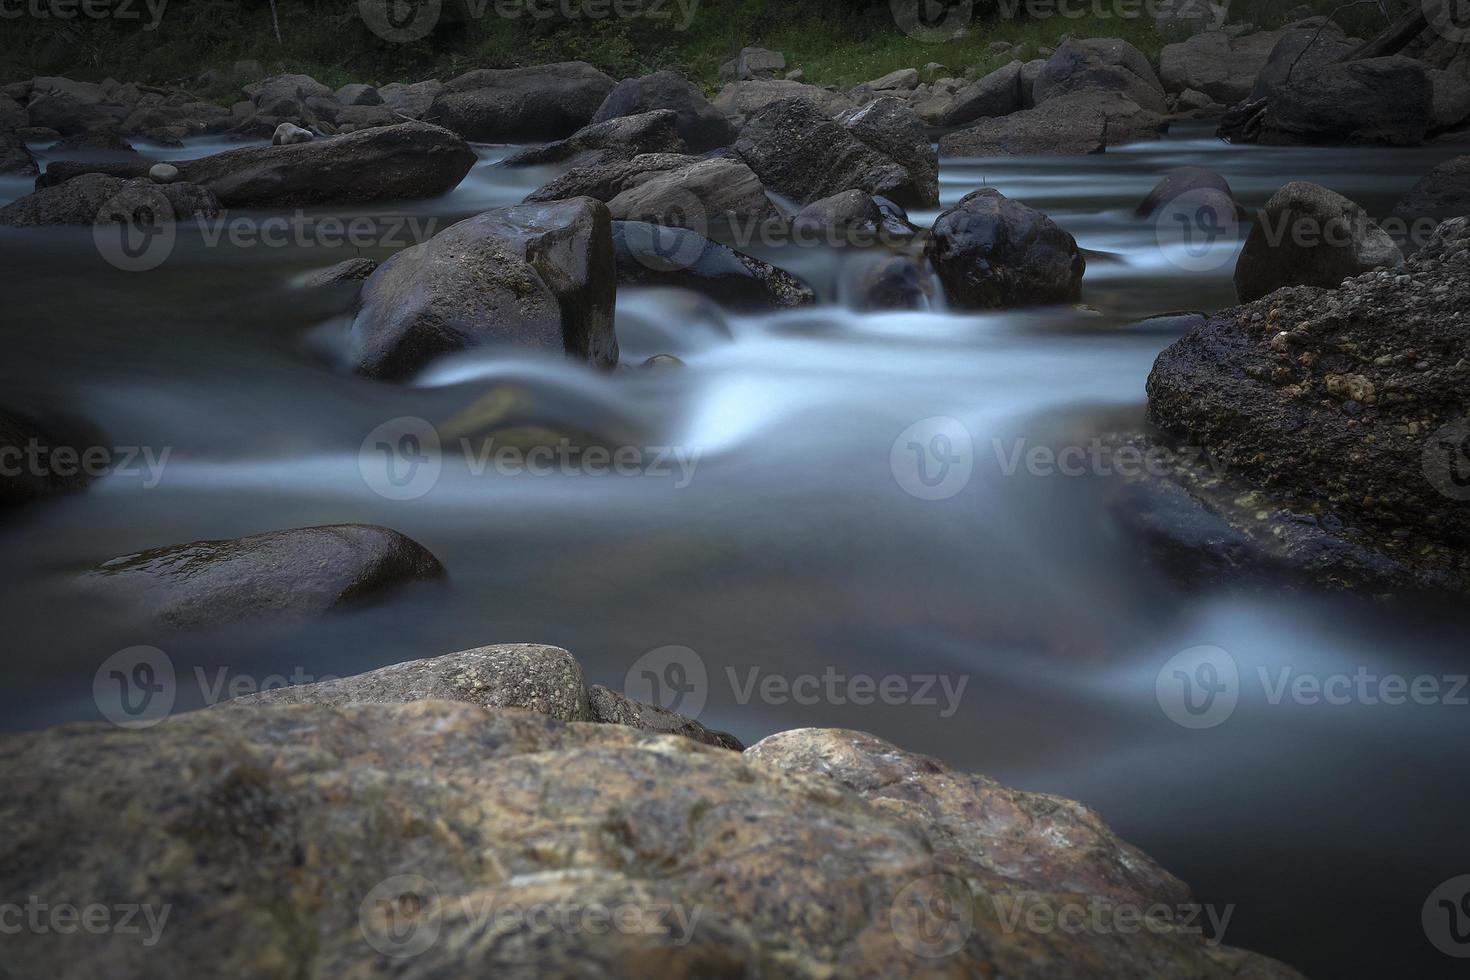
(163, 173)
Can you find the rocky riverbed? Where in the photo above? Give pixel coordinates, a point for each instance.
(1308, 435)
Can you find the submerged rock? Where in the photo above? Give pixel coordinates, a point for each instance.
(293, 574)
(538, 276)
(1308, 235)
(443, 838)
(991, 252)
(350, 270)
(653, 255)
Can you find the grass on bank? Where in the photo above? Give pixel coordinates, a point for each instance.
(834, 42)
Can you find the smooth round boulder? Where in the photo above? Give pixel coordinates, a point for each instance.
(991, 252)
(163, 173)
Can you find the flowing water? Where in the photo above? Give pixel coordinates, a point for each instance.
(788, 537)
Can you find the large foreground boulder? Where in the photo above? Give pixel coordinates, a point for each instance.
(1100, 65)
(94, 199)
(991, 252)
(1388, 101)
(439, 839)
(521, 105)
(1344, 412)
(294, 574)
(388, 163)
(1308, 235)
(1065, 125)
(655, 255)
(537, 276)
(797, 151)
(701, 126)
(1439, 195)
(544, 679)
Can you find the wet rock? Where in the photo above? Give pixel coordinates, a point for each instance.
(1104, 65)
(619, 138)
(351, 270)
(653, 255)
(15, 158)
(799, 152)
(537, 276)
(741, 101)
(714, 194)
(102, 144)
(308, 839)
(390, 163)
(518, 105)
(752, 63)
(991, 252)
(1439, 195)
(1262, 388)
(889, 126)
(997, 94)
(294, 574)
(101, 199)
(289, 134)
(877, 281)
(1387, 101)
(700, 125)
(1195, 187)
(661, 361)
(1063, 125)
(1308, 235)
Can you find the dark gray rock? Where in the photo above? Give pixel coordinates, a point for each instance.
(293, 574)
(889, 126)
(287, 87)
(655, 255)
(1439, 195)
(390, 163)
(753, 63)
(538, 276)
(514, 105)
(701, 126)
(742, 101)
(1063, 125)
(1100, 65)
(1387, 101)
(15, 158)
(799, 152)
(44, 457)
(618, 138)
(349, 271)
(1199, 187)
(67, 115)
(60, 171)
(991, 252)
(1308, 235)
(358, 94)
(412, 100)
(93, 198)
(997, 94)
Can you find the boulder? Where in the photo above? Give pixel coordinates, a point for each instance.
(1308, 235)
(95, 199)
(991, 252)
(895, 82)
(753, 63)
(518, 105)
(13, 115)
(889, 126)
(619, 138)
(1342, 411)
(99, 144)
(67, 114)
(716, 194)
(411, 100)
(1220, 65)
(854, 218)
(15, 157)
(797, 151)
(1100, 65)
(164, 173)
(1387, 101)
(739, 101)
(997, 94)
(60, 171)
(1439, 195)
(289, 134)
(537, 276)
(701, 126)
(656, 255)
(1451, 98)
(1030, 72)
(89, 92)
(1063, 125)
(293, 574)
(1299, 51)
(390, 163)
(444, 839)
(880, 281)
(287, 88)
(349, 271)
(358, 94)
(352, 118)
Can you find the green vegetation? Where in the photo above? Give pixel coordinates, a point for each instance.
(834, 42)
